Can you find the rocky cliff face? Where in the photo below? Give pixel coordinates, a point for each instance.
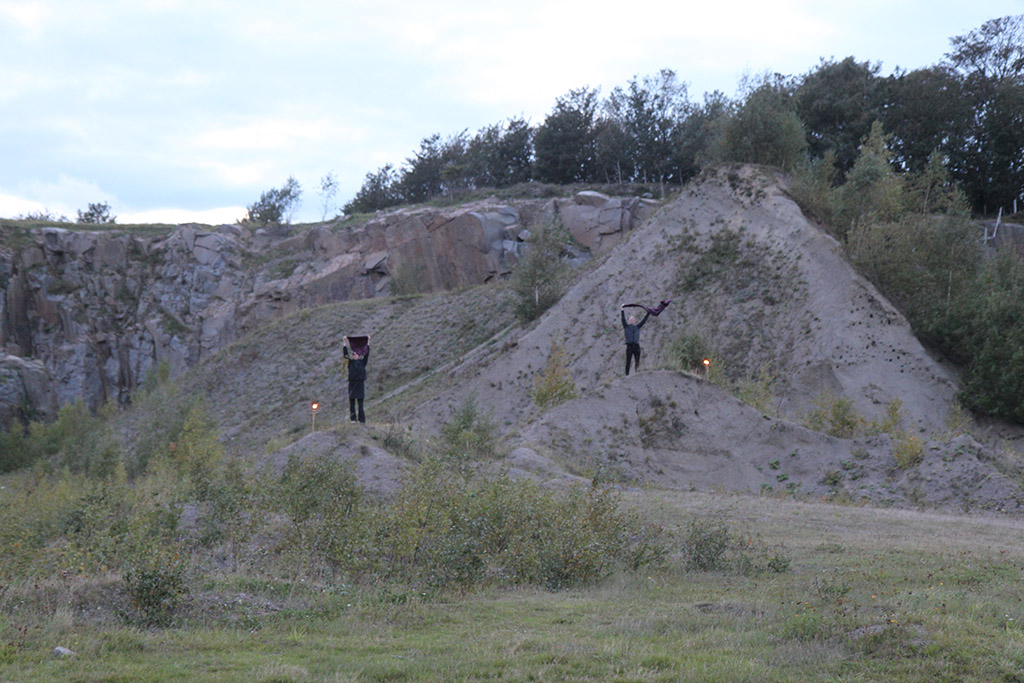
(88, 314)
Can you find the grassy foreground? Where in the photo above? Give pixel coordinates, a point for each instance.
(867, 595)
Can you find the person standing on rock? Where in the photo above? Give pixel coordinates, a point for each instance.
(360, 354)
(632, 329)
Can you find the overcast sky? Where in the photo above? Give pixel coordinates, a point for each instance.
(177, 110)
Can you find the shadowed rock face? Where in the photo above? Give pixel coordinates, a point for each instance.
(89, 314)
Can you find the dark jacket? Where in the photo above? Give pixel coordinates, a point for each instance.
(356, 366)
(633, 331)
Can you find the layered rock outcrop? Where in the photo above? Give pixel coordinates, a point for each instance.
(87, 314)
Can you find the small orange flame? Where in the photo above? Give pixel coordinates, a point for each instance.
(315, 406)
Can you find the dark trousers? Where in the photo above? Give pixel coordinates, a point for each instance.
(352, 402)
(632, 351)
(356, 393)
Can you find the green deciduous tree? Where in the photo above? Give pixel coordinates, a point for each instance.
(439, 168)
(565, 145)
(97, 214)
(837, 102)
(990, 163)
(502, 154)
(328, 189)
(539, 277)
(644, 116)
(697, 136)
(873, 192)
(276, 204)
(765, 129)
(924, 110)
(992, 332)
(378, 191)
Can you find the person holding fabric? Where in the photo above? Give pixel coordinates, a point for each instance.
(360, 354)
(632, 330)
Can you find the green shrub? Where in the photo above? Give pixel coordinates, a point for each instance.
(469, 436)
(275, 205)
(155, 583)
(812, 187)
(17, 450)
(554, 384)
(76, 440)
(33, 510)
(706, 543)
(686, 353)
(407, 280)
(757, 392)
(196, 452)
(312, 485)
(445, 532)
(907, 450)
(834, 416)
(765, 129)
(326, 506)
(805, 626)
(158, 416)
(893, 418)
(990, 330)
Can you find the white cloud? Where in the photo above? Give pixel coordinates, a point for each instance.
(275, 133)
(13, 205)
(65, 195)
(218, 216)
(211, 103)
(30, 17)
(237, 175)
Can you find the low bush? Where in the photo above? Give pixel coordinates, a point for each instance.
(757, 391)
(686, 353)
(76, 440)
(835, 416)
(155, 583)
(554, 384)
(708, 544)
(469, 436)
(907, 450)
(444, 532)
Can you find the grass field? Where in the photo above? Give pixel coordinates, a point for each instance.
(865, 595)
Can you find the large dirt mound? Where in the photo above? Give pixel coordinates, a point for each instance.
(769, 291)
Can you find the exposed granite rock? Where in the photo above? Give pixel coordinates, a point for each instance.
(94, 312)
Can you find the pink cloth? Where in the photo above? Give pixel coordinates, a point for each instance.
(653, 311)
